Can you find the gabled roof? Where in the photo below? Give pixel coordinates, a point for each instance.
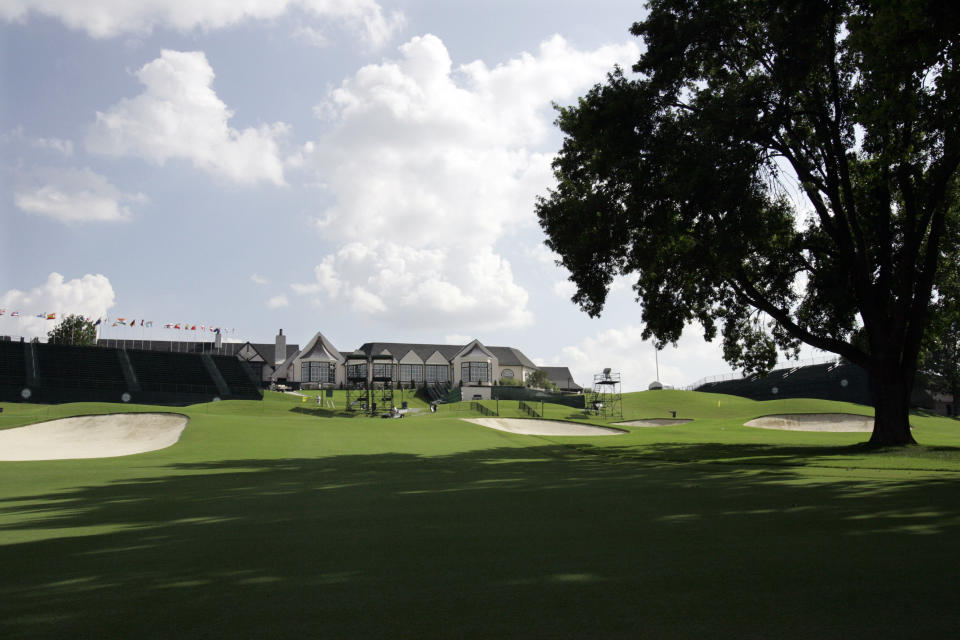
(400, 349)
(507, 356)
(561, 377)
(319, 351)
(281, 369)
(266, 350)
(321, 340)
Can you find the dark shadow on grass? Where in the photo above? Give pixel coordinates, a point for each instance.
(544, 541)
(764, 455)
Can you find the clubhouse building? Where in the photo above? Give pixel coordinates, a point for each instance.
(319, 364)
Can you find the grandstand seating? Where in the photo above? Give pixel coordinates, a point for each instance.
(13, 369)
(75, 367)
(69, 373)
(179, 372)
(845, 382)
(241, 381)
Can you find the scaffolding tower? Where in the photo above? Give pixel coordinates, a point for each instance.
(370, 382)
(605, 399)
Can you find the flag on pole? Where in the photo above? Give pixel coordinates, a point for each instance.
(2, 311)
(122, 321)
(51, 316)
(97, 323)
(193, 328)
(176, 326)
(15, 314)
(149, 323)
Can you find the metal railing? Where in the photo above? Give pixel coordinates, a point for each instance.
(479, 408)
(736, 375)
(530, 411)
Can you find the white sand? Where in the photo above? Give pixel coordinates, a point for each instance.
(814, 422)
(655, 422)
(118, 434)
(544, 427)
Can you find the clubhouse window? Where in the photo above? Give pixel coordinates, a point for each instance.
(438, 373)
(357, 371)
(411, 373)
(383, 370)
(317, 372)
(475, 371)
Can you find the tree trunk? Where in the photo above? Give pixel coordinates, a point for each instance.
(891, 402)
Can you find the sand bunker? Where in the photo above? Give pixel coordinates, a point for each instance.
(544, 427)
(655, 422)
(814, 422)
(109, 436)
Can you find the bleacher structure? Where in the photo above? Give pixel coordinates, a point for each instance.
(827, 381)
(55, 373)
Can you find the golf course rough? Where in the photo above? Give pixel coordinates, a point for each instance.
(278, 519)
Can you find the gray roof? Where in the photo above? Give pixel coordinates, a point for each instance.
(507, 356)
(267, 350)
(400, 349)
(510, 356)
(561, 377)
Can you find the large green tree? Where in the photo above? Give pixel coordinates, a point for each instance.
(73, 330)
(779, 172)
(940, 355)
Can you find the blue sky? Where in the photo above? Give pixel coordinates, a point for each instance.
(365, 169)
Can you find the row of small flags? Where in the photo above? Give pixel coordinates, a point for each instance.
(16, 314)
(123, 322)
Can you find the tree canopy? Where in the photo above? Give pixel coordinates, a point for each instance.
(538, 378)
(779, 173)
(73, 330)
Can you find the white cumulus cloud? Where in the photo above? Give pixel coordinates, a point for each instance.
(443, 161)
(74, 196)
(89, 296)
(110, 18)
(276, 302)
(564, 288)
(63, 147)
(624, 350)
(180, 116)
(422, 287)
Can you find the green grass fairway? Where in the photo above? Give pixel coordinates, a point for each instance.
(281, 519)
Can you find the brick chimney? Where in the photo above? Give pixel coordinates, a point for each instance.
(281, 351)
